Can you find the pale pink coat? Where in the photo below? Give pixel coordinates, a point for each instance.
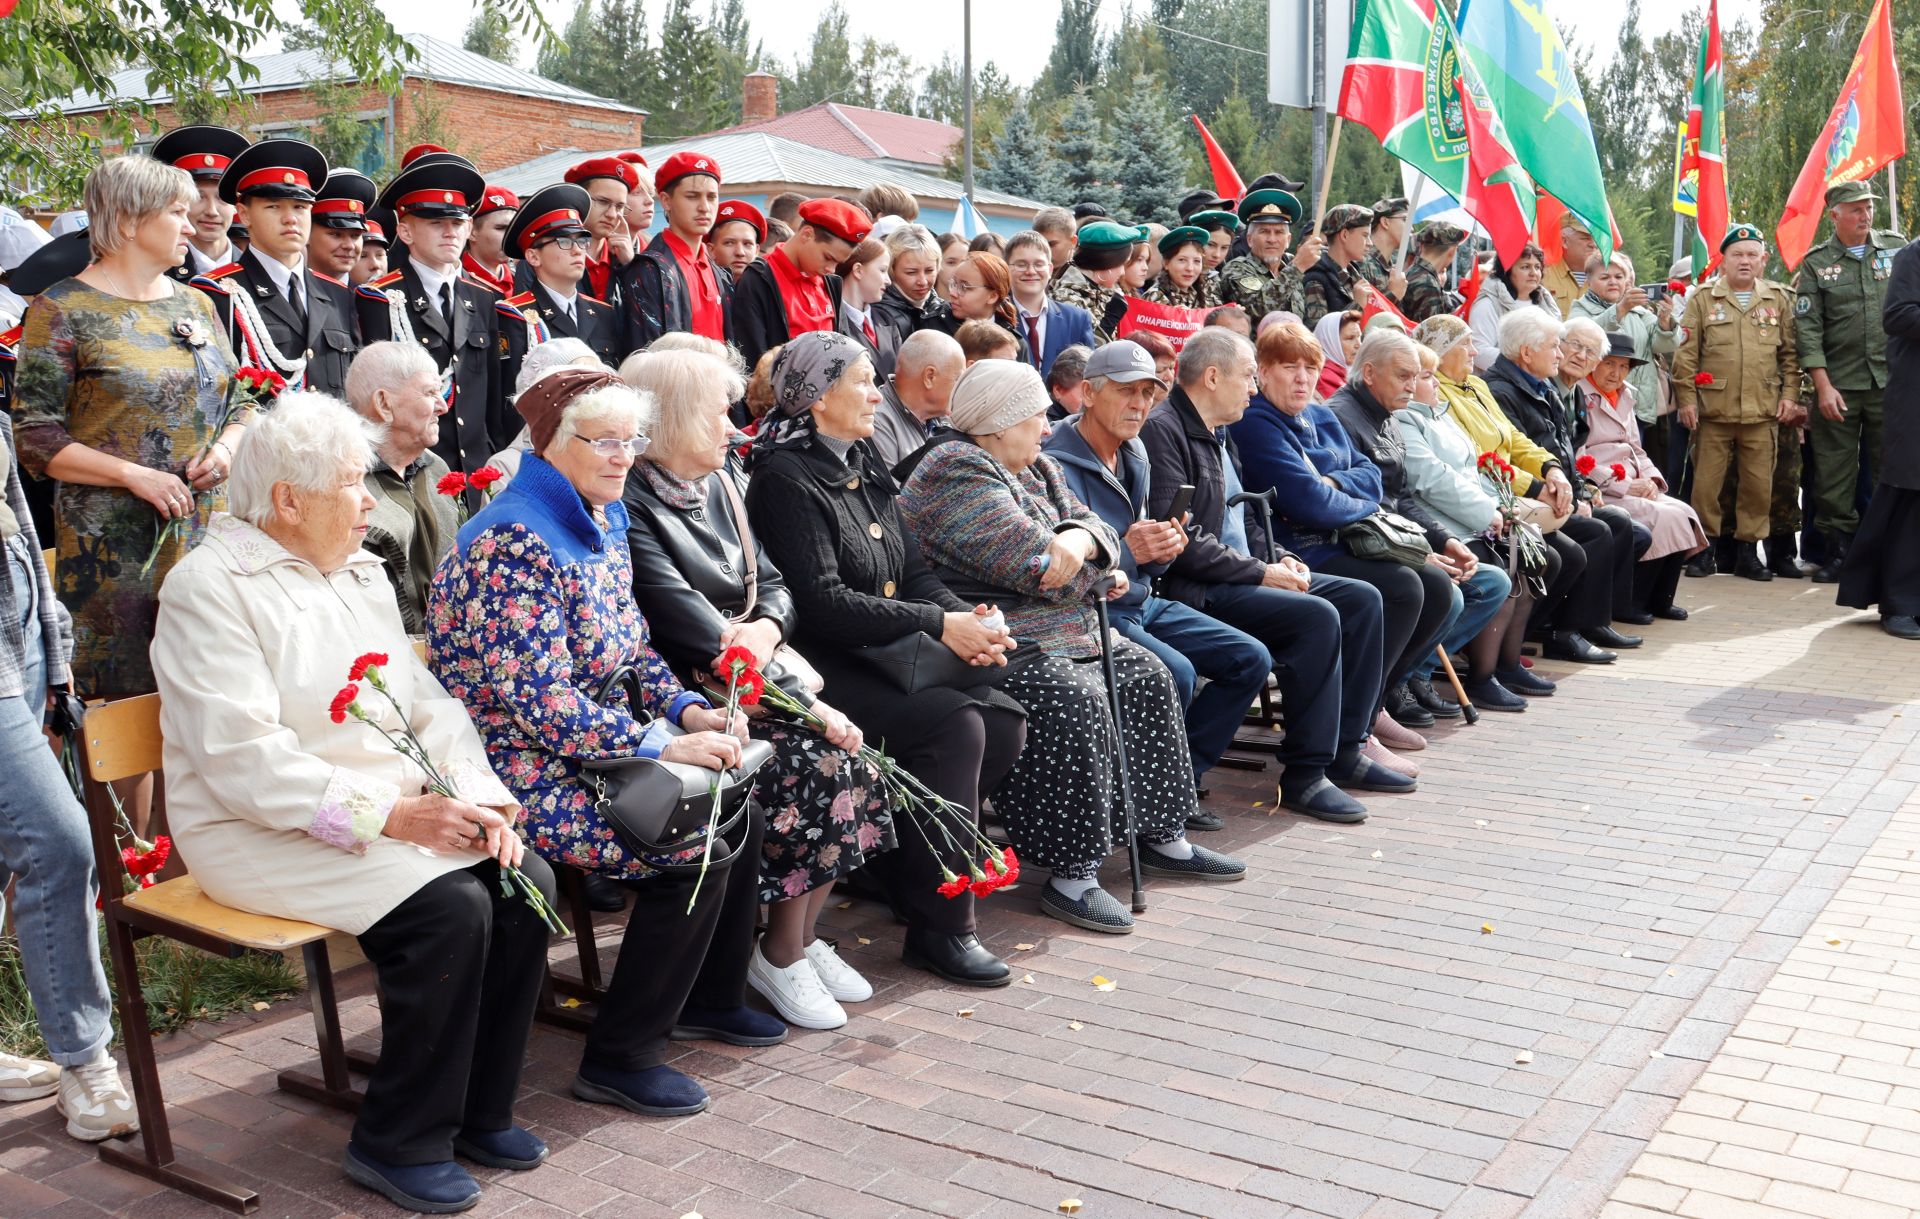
(1613, 435)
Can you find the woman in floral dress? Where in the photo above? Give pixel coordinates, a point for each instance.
(123, 374)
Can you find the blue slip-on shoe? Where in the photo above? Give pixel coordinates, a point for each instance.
(516, 1147)
(1095, 910)
(1201, 865)
(743, 1025)
(1356, 770)
(1488, 694)
(655, 1092)
(428, 1189)
(1322, 801)
(1525, 681)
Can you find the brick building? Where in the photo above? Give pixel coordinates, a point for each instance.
(492, 113)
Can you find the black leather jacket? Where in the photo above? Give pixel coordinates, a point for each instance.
(689, 575)
(656, 300)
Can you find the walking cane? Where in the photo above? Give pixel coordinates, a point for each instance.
(1467, 709)
(1100, 591)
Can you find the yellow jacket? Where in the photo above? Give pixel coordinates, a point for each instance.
(1471, 406)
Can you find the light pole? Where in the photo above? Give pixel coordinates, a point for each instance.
(966, 71)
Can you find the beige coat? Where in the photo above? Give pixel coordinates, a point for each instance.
(277, 809)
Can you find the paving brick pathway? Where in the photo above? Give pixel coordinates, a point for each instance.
(1592, 945)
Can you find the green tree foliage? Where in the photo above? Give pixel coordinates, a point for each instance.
(183, 46)
(1086, 157)
(1152, 162)
(607, 51)
(689, 98)
(1022, 162)
(826, 73)
(489, 34)
(1075, 61)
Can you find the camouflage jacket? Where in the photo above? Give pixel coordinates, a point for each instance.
(1204, 294)
(1074, 288)
(1427, 293)
(1246, 282)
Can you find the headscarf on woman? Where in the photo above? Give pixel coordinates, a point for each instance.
(806, 368)
(1333, 372)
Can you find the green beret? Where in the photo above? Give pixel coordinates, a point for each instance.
(1106, 235)
(1849, 192)
(1268, 206)
(1741, 232)
(1215, 220)
(1185, 234)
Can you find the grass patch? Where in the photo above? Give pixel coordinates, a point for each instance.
(181, 984)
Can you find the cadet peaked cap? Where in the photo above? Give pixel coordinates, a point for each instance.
(559, 210)
(274, 169)
(343, 202)
(203, 151)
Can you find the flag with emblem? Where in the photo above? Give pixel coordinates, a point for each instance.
(1863, 134)
(1704, 157)
(1517, 54)
(1406, 82)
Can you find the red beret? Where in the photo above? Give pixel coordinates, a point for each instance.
(605, 167)
(496, 199)
(684, 165)
(631, 158)
(416, 152)
(740, 209)
(846, 221)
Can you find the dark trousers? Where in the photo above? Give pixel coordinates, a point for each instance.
(1325, 645)
(1605, 539)
(1567, 562)
(1194, 645)
(966, 753)
(670, 958)
(1415, 604)
(458, 968)
(1655, 581)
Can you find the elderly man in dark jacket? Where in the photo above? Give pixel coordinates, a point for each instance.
(1105, 465)
(1323, 632)
(1521, 381)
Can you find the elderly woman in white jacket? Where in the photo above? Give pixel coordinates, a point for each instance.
(282, 803)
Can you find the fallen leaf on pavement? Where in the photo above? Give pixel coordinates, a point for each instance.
(1100, 983)
(1075, 1025)
(1377, 855)
(965, 1013)
(1523, 1057)
(1023, 947)
(1070, 1206)
(1486, 929)
(1028, 979)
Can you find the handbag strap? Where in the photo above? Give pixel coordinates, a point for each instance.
(624, 676)
(748, 559)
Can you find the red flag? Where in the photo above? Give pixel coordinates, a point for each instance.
(1226, 179)
(1863, 133)
(1495, 181)
(1704, 155)
(1470, 287)
(6, 7)
(1378, 303)
(1547, 212)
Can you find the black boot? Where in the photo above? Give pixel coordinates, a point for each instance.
(1781, 557)
(1702, 564)
(1747, 562)
(1837, 546)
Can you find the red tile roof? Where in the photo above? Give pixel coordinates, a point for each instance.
(856, 131)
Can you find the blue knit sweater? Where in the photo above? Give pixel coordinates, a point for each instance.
(1291, 453)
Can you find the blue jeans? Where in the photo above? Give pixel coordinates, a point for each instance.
(1192, 645)
(46, 850)
(1485, 592)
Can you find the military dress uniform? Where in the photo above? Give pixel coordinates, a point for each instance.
(1838, 299)
(1736, 365)
(460, 332)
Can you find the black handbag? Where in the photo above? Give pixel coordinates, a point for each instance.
(658, 808)
(917, 661)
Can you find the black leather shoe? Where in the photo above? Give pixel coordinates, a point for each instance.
(1405, 711)
(1571, 645)
(1435, 703)
(1672, 613)
(1637, 618)
(1747, 562)
(605, 895)
(959, 959)
(1607, 637)
(1900, 626)
(1782, 559)
(1205, 821)
(1837, 546)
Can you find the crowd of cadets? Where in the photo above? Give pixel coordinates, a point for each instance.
(306, 263)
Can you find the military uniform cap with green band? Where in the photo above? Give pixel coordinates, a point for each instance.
(1211, 220)
(1270, 206)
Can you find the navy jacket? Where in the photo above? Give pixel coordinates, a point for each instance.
(1119, 498)
(1291, 454)
(1064, 326)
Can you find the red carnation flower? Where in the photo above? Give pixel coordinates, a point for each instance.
(954, 886)
(341, 702)
(146, 863)
(1011, 864)
(1585, 463)
(371, 660)
(1619, 472)
(751, 685)
(485, 477)
(1703, 378)
(451, 483)
(984, 886)
(1489, 460)
(1677, 287)
(735, 661)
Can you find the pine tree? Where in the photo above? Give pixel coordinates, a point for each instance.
(1085, 157)
(689, 100)
(1152, 168)
(1022, 162)
(1075, 61)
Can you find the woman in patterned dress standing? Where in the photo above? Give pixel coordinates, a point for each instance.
(123, 378)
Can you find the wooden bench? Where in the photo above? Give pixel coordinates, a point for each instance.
(122, 741)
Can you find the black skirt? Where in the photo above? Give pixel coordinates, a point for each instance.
(892, 720)
(1883, 566)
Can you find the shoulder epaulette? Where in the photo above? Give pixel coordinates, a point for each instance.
(334, 280)
(221, 272)
(385, 281)
(519, 301)
(594, 300)
(9, 339)
(505, 308)
(207, 283)
(483, 286)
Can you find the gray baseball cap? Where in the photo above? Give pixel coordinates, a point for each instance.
(1123, 360)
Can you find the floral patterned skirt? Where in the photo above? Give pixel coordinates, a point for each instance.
(825, 811)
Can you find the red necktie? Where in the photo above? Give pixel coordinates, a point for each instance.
(873, 340)
(1033, 340)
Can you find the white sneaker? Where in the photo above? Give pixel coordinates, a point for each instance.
(795, 992)
(27, 1078)
(842, 980)
(95, 1102)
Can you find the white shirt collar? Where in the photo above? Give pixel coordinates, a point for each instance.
(201, 264)
(431, 280)
(280, 273)
(569, 302)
